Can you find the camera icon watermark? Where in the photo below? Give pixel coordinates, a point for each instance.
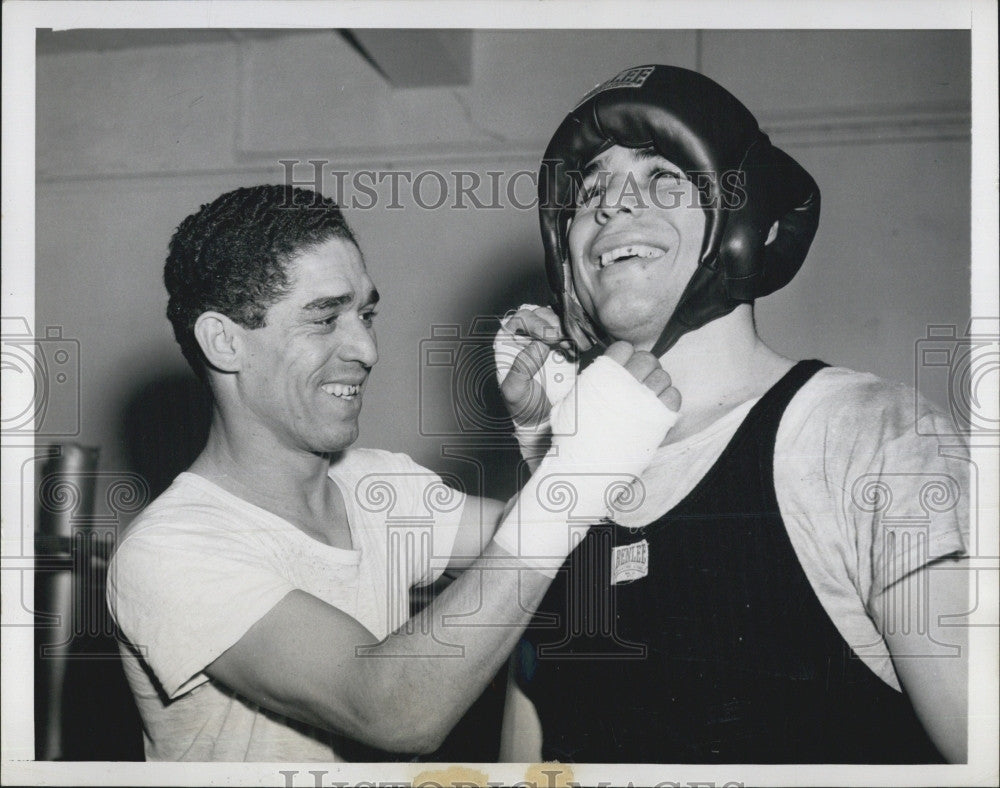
(459, 390)
(962, 371)
(459, 394)
(50, 405)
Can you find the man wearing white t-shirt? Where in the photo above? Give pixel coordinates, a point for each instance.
(753, 604)
(263, 599)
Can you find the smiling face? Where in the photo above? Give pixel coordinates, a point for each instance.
(303, 372)
(634, 242)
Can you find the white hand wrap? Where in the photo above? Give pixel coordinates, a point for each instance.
(604, 438)
(536, 441)
(557, 377)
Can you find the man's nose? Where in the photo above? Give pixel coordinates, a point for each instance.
(617, 199)
(360, 345)
(609, 209)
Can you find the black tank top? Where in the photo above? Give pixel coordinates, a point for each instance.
(722, 653)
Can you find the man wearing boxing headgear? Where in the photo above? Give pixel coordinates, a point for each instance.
(745, 604)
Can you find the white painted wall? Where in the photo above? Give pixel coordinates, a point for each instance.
(130, 139)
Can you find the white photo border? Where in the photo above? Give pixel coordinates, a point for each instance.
(20, 20)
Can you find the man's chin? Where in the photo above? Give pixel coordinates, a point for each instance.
(636, 320)
(640, 336)
(335, 443)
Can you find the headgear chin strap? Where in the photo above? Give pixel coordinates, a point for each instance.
(745, 184)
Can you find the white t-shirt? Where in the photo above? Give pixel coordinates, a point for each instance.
(200, 566)
(867, 490)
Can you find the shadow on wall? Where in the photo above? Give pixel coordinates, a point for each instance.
(486, 458)
(165, 426)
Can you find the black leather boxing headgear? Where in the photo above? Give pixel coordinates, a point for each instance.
(745, 184)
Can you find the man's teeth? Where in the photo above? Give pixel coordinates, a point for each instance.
(341, 389)
(636, 250)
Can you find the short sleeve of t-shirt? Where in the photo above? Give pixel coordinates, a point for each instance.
(167, 583)
(409, 506)
(873, 485)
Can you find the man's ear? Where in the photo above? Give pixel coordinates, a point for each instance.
(772, 233)
(220, 340)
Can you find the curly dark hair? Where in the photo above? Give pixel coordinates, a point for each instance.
(231, 256)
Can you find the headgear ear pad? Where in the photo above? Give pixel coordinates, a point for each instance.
(745, 184)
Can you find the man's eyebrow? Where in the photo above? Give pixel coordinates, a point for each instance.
(328, 302)
(641, 154)
(590, 169)
(647, 153)
(338, 302)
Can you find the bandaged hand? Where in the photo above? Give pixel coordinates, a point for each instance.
(604, 437)
(535, 369)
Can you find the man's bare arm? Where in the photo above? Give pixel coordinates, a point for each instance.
(937, 683)
(480, 518)
(302, 659)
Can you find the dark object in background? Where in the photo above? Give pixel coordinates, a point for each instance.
(83, 707)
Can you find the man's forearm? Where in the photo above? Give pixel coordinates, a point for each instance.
(426, 695)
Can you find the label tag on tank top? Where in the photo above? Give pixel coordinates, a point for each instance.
(629, 562)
